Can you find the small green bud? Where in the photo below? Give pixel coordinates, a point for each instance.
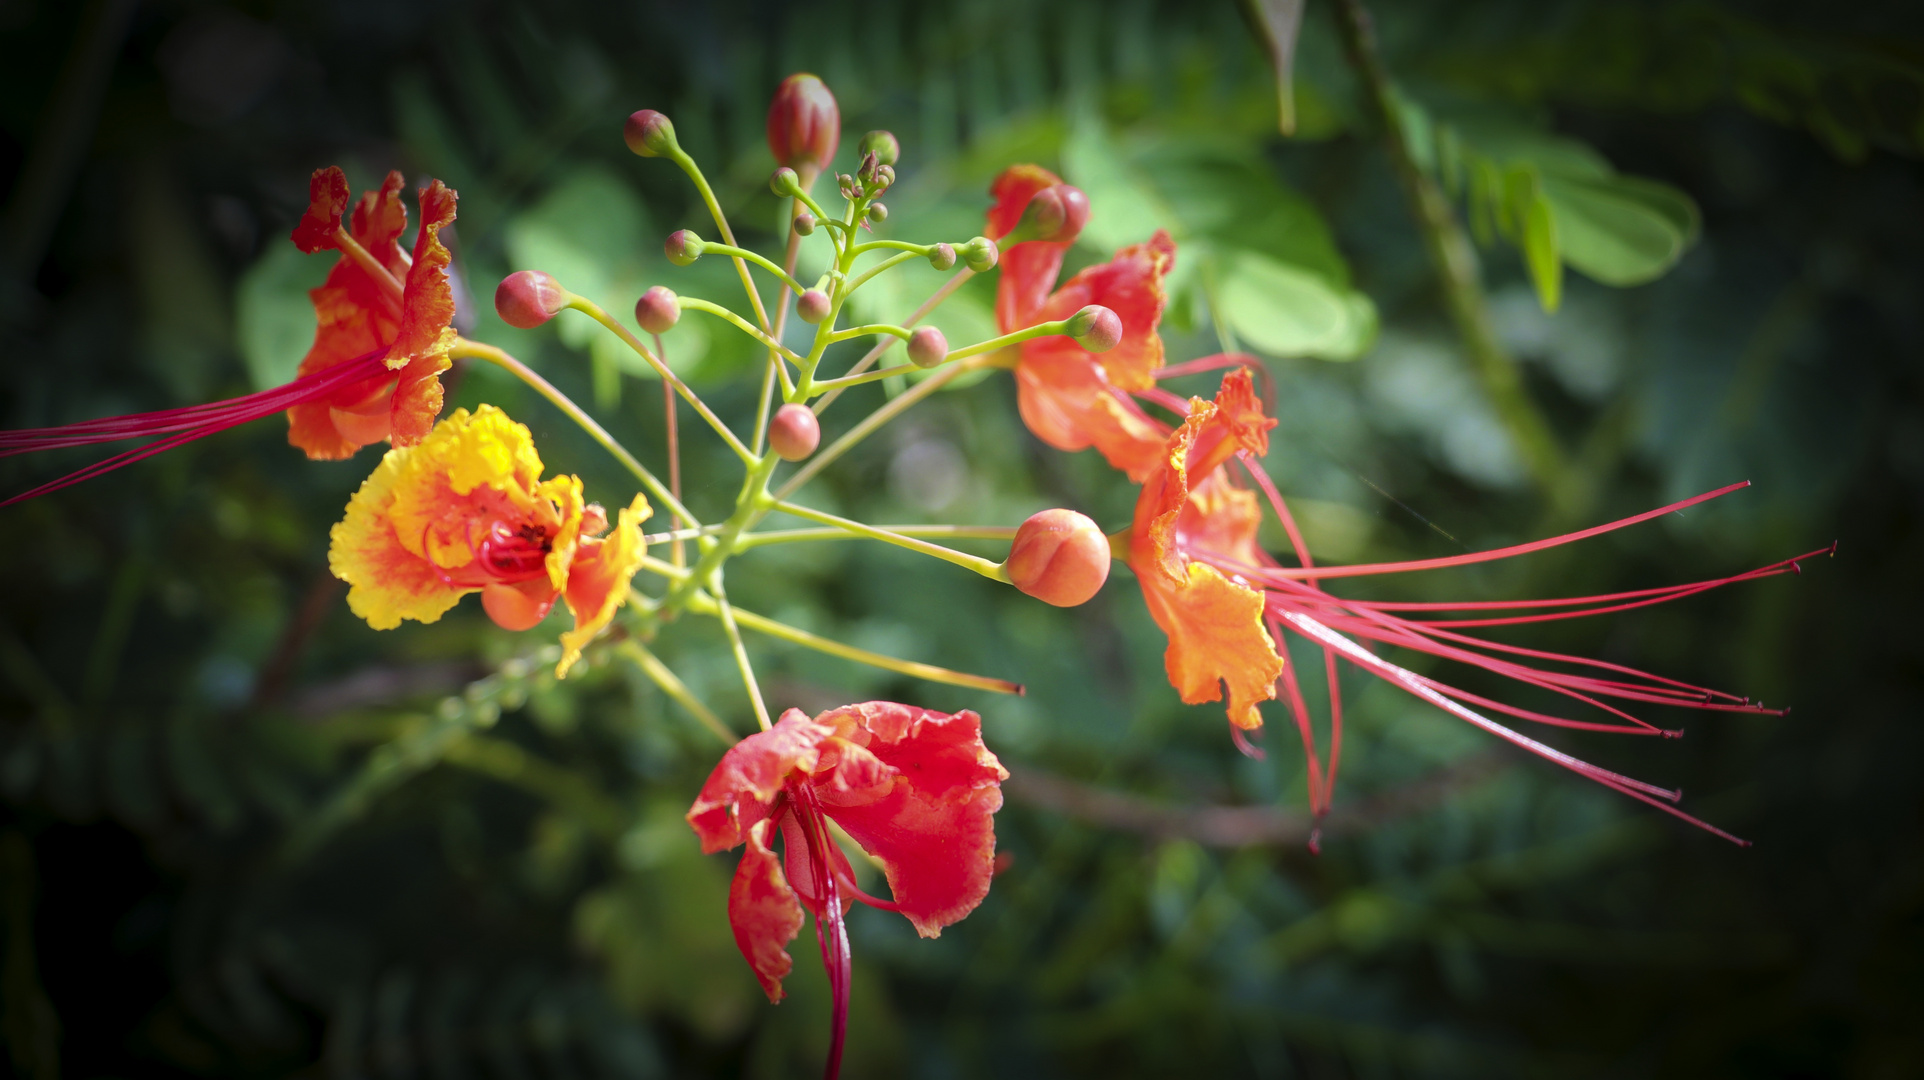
(942, 257)
(683, 247)
(877, 212)
(812, 306)
(785, 183)
(1095, 328)
(883, 145)
(804, 224)
(927, 347)
(649, 134)
(981, 254)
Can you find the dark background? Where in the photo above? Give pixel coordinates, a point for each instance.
(243, 835)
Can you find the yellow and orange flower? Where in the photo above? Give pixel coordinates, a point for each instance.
(465, 510)
(1073, 399)
(360, 315)
(1214, 622)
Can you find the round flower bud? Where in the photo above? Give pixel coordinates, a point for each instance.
(886, 148)
(927, 347)
(658, 310)
(794, 433)
(804, 124)
(1095, 328)
(981, 254)
(683, 247)
(804, 224)
(527, 298)
(785, 183)
(1055, 214)
(649, 133)
(884, 176)
(1059, 557)
(942, 257)
(877, 212)
(812, 306)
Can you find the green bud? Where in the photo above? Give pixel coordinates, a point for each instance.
(785, 183)
(981, 254)
(649, 133)
(805, 224)
(683, 247)
(883, 145)
(877, 212)
(942, 257)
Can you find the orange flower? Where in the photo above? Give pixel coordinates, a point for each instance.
(1214, 622)
(1073, 399)
(359, 314)
(465, 510)
(916, 789)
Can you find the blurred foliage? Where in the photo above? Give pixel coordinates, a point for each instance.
(244, 835)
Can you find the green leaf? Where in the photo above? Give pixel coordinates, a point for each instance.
(1620, 230)
(275, 319)
(1284, 310)
(1538, 223)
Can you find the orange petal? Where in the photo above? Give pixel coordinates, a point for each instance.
(598, 580)
(934, 832)
(1216, 635)
(379, 219)
(744, 783)
(389, 580)
(1130, 285)
(1221, 519)
(1213, 431)
(326, 199)
(1068, 402)
(1011, 192)
(763, 912)
(1028, 271)
(427, 305)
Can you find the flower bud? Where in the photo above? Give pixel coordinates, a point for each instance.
(927, 347)
(942, 257)
(981, 254)
(1095, 328)
(804, 224)
(884, 176)
(785, 183)
(883, 145)
(683, 247)
(804, 124)
(1055, 214)
(649, 133)
(877, 212)
(1059, 557)
(794, 433)
(658, 310)
(812, 306)
(527, 298)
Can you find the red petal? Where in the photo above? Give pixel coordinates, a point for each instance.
(1130, 285)
(326, 198)
(754, 770)
(427, 306)
(379, 219)
(763, 912)
(1070, 404)
(933, 833)
(1012, 191)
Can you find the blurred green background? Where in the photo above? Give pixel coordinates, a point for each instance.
(243, 835)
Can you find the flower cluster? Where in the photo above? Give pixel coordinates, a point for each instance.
(460, 506)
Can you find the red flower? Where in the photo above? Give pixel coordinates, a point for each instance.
(916, 789)
(1213, 590)
(374, 370)
(1073, 399)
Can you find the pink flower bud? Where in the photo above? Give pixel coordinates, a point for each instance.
(794, 433)
(649, 133)
(527, 298)
(683, 247)
(1059, 557)
(886, 148)
(812, 306)
(1056, 214)
(1095, 328)
(942, 257)
(927, 347)
(981, 254)
(658, 310)
(804, 224)
(804, 125)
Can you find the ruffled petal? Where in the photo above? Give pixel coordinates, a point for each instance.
(1130, 285)
(388, 581)
(742, 788)
(933, 832)
(597, 582)
(1221, 520)
(763, 911)
(326, 200)
(1067, 401)
(379, 219)
(1216, 639)
(427, 305)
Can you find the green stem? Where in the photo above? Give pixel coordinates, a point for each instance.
(895, 245)
(463, 347)
(985, 567)
(687, 164)
(593, 311)
(774, 365)
(758, 259)
(869, 330)
(670, 683)
(895, 407)
(787, 536)
(934, 301)
(1454, 259)
(740, 652)
(832, 647)
(709, 307)
(882, 267)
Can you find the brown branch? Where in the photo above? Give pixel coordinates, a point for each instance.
(1242, 826)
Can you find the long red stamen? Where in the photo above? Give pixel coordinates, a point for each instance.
(831, 933)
